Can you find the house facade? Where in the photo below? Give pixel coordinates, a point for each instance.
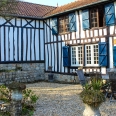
(79, 34)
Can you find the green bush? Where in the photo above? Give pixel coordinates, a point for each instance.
(28, 101)
(5, 93)
(92, 94)
(5, 114)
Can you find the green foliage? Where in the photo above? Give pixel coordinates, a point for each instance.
(5, 114)
(96, 83)
(92, 94)
(87, 86)
(28, 102)
(27, 110)
(29, 96)
(5, 93)
(92, 97)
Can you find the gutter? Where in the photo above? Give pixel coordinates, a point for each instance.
(30, 17)
(101, 1)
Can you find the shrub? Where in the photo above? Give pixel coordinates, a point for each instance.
(28, 102)
(5, 93)
(92, 94)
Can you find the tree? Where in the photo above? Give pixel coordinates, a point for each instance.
(8, 7)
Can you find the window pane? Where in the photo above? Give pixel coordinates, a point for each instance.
(80, 55)
(95, 47)
(76, 55)
(88, 53)
(95, 14)
(73, 55)
(94, 18)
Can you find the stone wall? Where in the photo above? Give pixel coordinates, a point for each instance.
(63, 78)
(25, 72)
(31, 72)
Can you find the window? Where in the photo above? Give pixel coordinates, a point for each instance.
(96, 17)
(76, 56)
(64, 24)
(91, 55)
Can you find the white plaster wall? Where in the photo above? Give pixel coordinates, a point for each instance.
(110, 53)
(12, 37)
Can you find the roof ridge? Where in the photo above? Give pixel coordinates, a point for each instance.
(68, 3)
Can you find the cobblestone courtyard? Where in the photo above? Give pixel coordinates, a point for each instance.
(63, 100)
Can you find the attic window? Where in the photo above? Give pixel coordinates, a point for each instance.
(97, 17)
(64, 24)
(94, 17)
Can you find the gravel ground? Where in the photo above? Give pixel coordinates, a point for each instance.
(63, 100)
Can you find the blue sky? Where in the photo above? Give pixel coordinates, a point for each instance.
(50, 2)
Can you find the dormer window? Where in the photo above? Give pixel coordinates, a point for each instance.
(94, 17)
(98, 16)
(64, 24)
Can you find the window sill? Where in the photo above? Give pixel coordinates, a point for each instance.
(76, 65)
(91, 66)
(101, 27)
(66, 33)
(93, 28)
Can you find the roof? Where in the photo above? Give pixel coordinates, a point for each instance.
(31, 10)
(73, 6)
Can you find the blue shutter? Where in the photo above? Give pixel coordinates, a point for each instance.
(85, 19)
(114, 55)
(72, 22)
(109, 14)
(66, 56)
(103, 54)
(54, 26)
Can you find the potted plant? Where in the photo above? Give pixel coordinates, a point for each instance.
(92, 97)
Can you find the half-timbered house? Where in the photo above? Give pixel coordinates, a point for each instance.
(79, 34)
(22, 41)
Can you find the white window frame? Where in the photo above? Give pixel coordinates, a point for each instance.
(91, 55)
(77, 56)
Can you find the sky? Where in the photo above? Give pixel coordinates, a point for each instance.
(50, 2)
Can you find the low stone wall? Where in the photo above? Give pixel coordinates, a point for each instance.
(63, 78)
(29, 72)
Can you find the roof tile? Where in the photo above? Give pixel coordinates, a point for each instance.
(42, 11)
(70, 6)
(27, 9)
